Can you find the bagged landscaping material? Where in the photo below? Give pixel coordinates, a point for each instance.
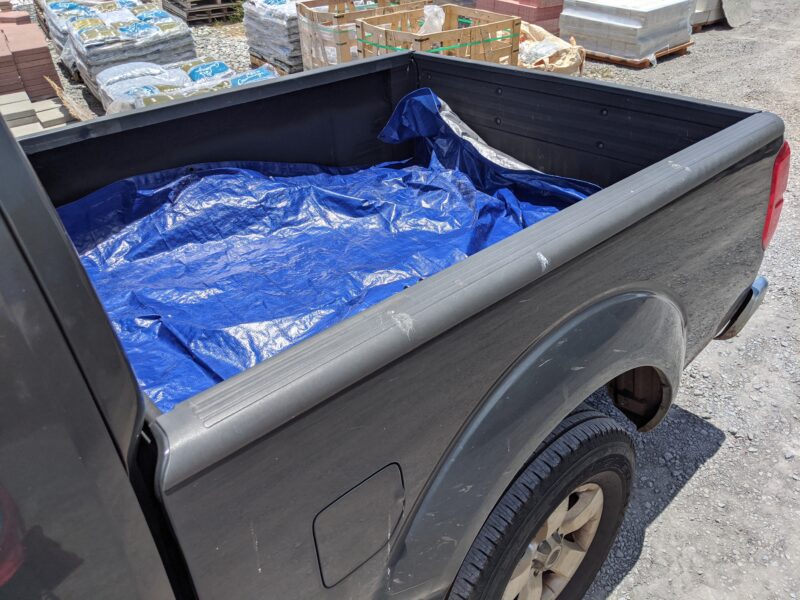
(272, 32)
(432, 21)
(209, 269)
(139, 84)
(107, 34)
(628, 29)
(539, 49)
(59, 15)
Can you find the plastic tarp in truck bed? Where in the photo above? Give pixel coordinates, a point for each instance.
(208, 269)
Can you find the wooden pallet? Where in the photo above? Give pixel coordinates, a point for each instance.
(256, 61)
(202, 10)
(700, 26)
(41, 20)
(637, 64)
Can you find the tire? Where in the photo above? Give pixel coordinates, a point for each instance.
(588, 450)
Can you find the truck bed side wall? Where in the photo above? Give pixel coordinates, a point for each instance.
(330, 118)
(700, 251)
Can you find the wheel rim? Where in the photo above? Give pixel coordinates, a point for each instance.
(556, 551)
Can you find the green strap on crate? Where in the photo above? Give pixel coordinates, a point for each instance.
(443, 48)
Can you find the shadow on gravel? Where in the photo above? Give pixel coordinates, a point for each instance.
(666, 459)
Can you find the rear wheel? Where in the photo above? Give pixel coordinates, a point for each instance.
(553, 528)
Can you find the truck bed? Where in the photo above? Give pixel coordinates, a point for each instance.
(439, 394)
(209, 269)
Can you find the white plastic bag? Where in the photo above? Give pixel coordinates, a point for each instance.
(434, 20)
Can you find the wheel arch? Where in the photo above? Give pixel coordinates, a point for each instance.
(634, 342)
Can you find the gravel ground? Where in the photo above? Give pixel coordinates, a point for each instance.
(716, 504)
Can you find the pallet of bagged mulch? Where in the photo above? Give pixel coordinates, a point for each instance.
(710, 12)
(193, 11)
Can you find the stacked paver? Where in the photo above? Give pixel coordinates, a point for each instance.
(9, 77)
(32, 59)
(15, 17)
(544, 13)
(25, 117)
(272, 33)
(25, 61)
(629, 29)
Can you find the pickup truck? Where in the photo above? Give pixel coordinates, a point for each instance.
(434, 445)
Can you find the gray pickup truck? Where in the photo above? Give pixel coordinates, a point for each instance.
(434, 445)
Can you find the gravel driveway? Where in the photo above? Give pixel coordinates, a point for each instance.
(716, 508)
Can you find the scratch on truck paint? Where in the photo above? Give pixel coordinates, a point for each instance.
(543, 261)
(255, 546)
(404, 322)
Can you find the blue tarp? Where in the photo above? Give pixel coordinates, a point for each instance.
(209, 269)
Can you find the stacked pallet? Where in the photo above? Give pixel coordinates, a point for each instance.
(193, 11)
(272, 34)
(632, 32)
(543, 13)
(24, 116)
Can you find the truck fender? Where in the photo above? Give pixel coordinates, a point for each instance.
(591, 348)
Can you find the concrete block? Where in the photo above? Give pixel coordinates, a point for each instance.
(27, 129)
(13, 98)
(17, 110)
(54, 116)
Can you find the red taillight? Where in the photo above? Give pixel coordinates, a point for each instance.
(780, 177)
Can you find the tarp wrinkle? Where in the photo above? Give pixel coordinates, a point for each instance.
(209, 269)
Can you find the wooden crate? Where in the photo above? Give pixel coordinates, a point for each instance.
(467, 33)
(328, 28)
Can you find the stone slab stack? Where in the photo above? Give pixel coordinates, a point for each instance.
(544, 13)
(31, 58)
(629, 29)
(25, 117)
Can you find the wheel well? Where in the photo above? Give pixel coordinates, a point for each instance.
(643, 394)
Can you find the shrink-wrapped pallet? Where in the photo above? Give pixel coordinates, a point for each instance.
(629, 29)
(96, 36)
(272, 33)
